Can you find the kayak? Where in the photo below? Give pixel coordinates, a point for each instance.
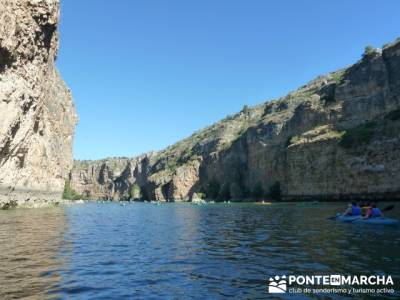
(377, 221)
(371, 221)
(347, 219)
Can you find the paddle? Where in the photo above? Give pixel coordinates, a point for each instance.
(333, 218)
(387, 208)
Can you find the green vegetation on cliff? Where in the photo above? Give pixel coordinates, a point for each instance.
(69, 193)
(136, 192)
(293, 140)
(359, 135)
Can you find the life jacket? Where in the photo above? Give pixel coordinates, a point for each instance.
(365, 209)
(376, 212)
(355, 211)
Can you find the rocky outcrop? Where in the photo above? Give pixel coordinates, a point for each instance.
(37, 115)
(335, 138)
(104, 179)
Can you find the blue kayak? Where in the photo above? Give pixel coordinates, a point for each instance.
(371, 221)
(377, 221)
(347, 219)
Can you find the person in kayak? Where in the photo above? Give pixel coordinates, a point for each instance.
(353, 210)
(373, 212)
(365, 207)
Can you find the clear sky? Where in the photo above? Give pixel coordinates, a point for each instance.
(145, 74)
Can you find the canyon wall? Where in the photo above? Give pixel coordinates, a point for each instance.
(335, 138)
(37, 115)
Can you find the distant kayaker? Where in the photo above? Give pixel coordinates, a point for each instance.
(353, 210)
(373, 212)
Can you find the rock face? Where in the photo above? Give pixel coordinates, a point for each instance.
(37, 115)
(335, 138)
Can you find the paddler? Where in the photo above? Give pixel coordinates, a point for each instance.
(365, 207)
(373, 212)
(353, 210)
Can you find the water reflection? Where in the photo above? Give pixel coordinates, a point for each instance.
(182, 251)
(29, 246)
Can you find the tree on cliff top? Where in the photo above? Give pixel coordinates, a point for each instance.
(369, 50)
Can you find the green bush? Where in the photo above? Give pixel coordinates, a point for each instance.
(357, 136)
(135, 192)
(69, 193)
(369, 50)
(338, 77)
(292, 140)
(171, 164)
(245, 109)
(201, 195)
(275, 191)
(186, 155)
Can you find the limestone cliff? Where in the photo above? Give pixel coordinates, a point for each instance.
(37, 115)
(334, 138)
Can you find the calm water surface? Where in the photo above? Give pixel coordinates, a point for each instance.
(182, 251)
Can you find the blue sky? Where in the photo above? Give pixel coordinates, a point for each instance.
(145, 74)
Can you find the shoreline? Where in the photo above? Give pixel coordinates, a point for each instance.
(40, 204)
(63, 202)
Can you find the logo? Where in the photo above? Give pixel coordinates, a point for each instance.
(335, 280)
(277, 285)
(337, 284)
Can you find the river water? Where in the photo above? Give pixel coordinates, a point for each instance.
(184, 251)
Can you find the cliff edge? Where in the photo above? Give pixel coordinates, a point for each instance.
(335, 138)
(37, 115)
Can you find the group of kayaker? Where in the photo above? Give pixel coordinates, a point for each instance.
(366, 210)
